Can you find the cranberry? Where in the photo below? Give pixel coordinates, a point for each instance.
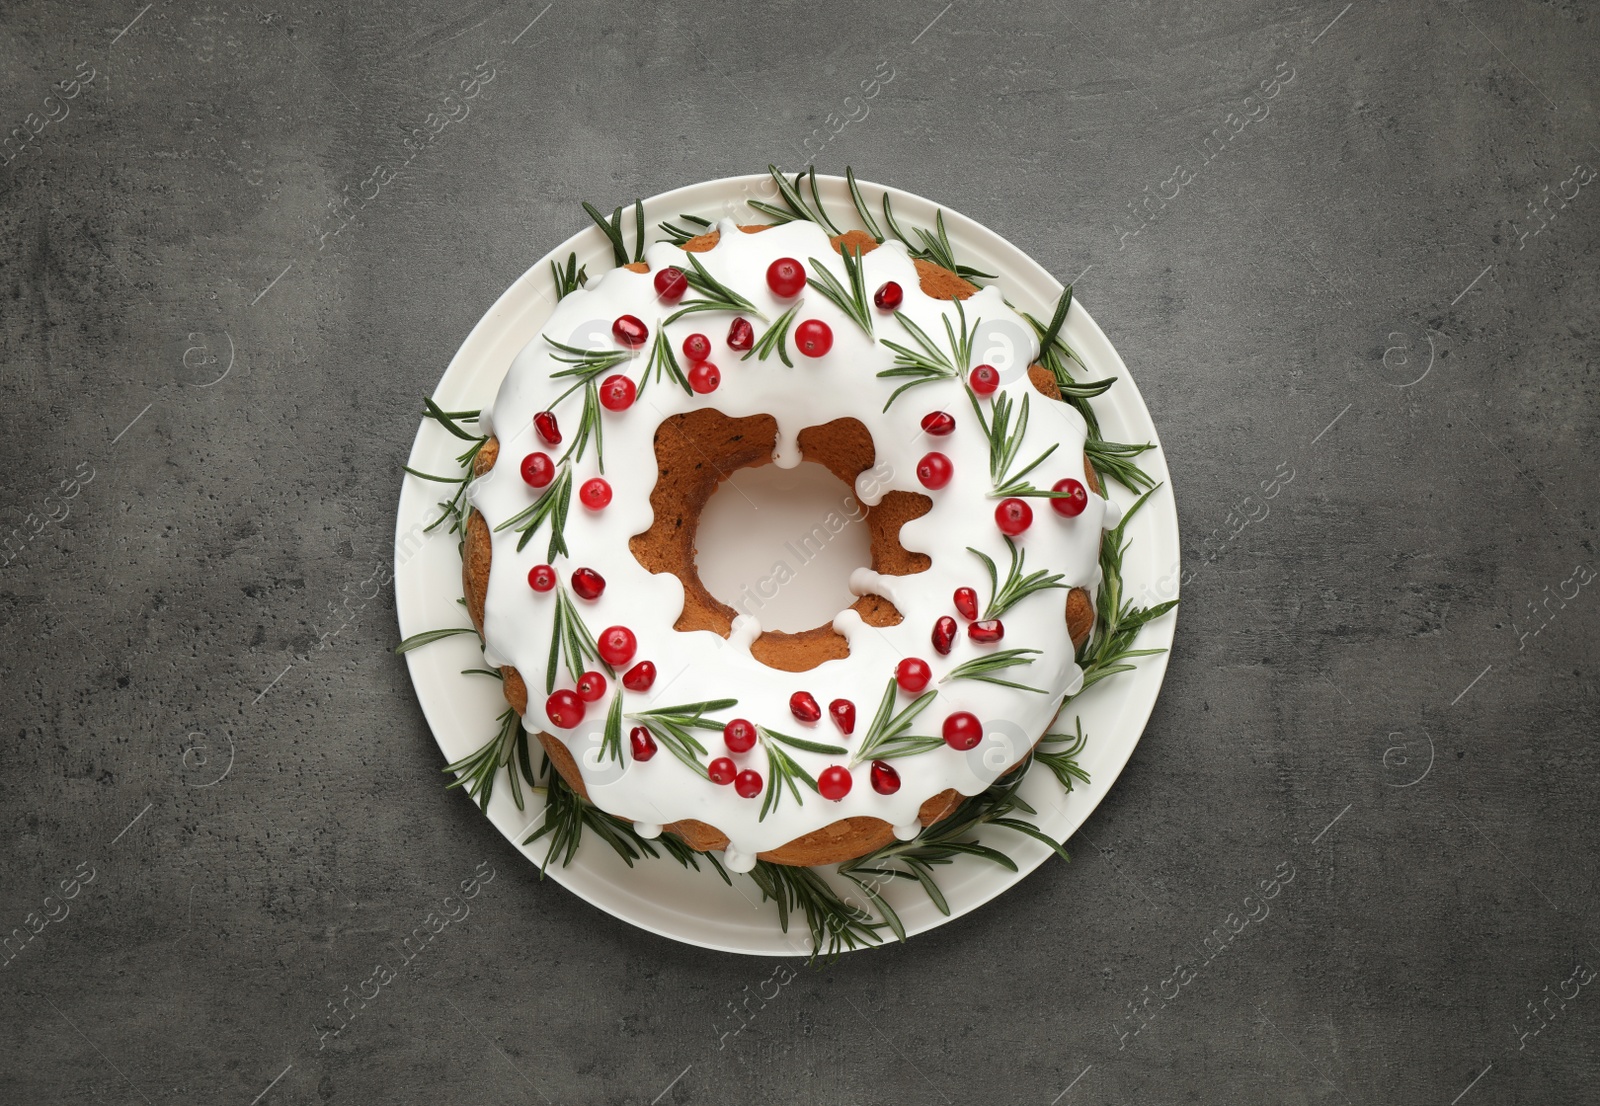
(617, 392)
(721, 770)
(588, 583)
(595, 494)
(813, 338)
(1013, 516)
(617, 645)
(803, 705)
(984, 380)
(935, 470)
(962, 730)
(786, 277)
(987, 632)
(833, 782)
(748, 783)
(545, 423)
(564, 709)
(843, 713)
(704, 378)
(739, 735)
(967, 603)
(697, 347)
(1072, 504)
(671, 284)
(885, 780)
(644, 746)
(888, 297)
(541, 577)
(944, 635)
(938, 423)
(741, 335)
(538, 470)
(630, 331)
(639, 677)
(912, 674)
(591, 686)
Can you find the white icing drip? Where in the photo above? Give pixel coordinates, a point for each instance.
(700, 665)
(648, 830)
(908, 831)
(744, 631)
(1113, 515)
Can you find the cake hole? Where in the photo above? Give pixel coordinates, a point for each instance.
(780, 545)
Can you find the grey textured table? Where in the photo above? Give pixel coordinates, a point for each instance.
(1354, 245)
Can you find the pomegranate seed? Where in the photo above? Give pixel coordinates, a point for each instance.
(962, 730)
(595, 494)
(591, 686)
(617, 645)
(1013, 516)
(671, 284)
(545, 423)
(967, 603)
(843, 713)
(739, 736)
(944, 635)
(804, 706)
(721, 770)
(541, 577)
(588, 583)
(697, 347)
(644, 746)
(704, 378)
(987, 632)
(564, 709)
(833, 782)
(1071, 505)
(617, 393)
(935, 470)
(938, 423)
(813, 337)
(888, 297)
(786, 277)
(748, 783)
(630, 331)
(984, 379)
(538, 470)
(741, 335)
(912, 674)
(885, 780)
(639, 677)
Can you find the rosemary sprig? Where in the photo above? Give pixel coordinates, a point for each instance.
(477, 770)
(418, 640)
(553, 505)
(589, 426)
(1063, 763)
(983, 668)
(570, 641)
(783, 771)
(1002, 597)
(663, 364)
(886, 738)
(935, 246)
(715, 296)
(795, 207)
(852, 301)
(928, 362)
(1003, 445)
(862, 209)
(454, 508)
(612, 229)
(611, 737)
(835, 925)
(775, 337)
(587, 365)
(1115, 460)
(1110, 645)
(672, 726)
(570, 278)
(679, 235)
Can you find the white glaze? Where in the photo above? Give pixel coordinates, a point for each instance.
(701, 665)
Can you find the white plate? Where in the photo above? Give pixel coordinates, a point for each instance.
(659, 895)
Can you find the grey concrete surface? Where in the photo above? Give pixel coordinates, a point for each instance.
(1384, 283)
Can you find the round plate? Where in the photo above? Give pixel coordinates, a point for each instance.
(659, 895)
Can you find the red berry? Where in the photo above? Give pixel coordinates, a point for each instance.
(639, 677)
(935, 471)
(885, 780)
(984, 379)
(644, 746)
(938, 423)
(595, 494)
(748, 783)
(803, 705)
(739, 735)
(962, 730)
(697, 347)
(786, 277)
(833, 782)
(541, 577)
(843, 713)
(741, 335)
(591, 686)
(545, 423)
(1071, 505)
(671, 284)
(617, 392)
(1013, 516)
(617, 645)
(630, 331)
(564, 709)
(944, 635)
(588, 583)
(967, 603)
(721, 770)
(987, 632)
(888, 297)
(538, 470)
(912, 674)
(704, 378)
(813, 337)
